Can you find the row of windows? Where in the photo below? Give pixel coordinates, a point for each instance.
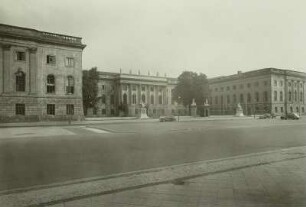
(233, 99)
(290, 98)
(143, 99)
(21, 110)
(241, 86)
(291, 109)
(50, 59)
(21, 82)
(143, 88)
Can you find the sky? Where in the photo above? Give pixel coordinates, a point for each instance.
(214, 37)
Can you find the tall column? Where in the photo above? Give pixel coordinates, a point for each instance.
(6, 68)
(32, 70)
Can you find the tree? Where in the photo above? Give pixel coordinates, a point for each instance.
(90, 88)
(191, 86)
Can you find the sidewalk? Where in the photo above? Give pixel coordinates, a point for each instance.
(275, 178)
(110, 120)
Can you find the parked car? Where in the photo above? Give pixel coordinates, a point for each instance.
(167, 118)
(267, 116)
(290, 116)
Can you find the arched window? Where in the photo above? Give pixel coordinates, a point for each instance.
(160, 99)
(234, 98)
(70, 85)
(103, 99)
(20, 81)
(152, 99)
(249, 98)
(124, 98)
(143, 98)
(50, 84)
(134, 98)
(281, 96)
(241, 98)
(275, 95)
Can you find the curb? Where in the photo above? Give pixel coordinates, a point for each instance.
(78, 189)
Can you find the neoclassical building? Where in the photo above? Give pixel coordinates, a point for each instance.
(259, 91)
(121, 94)
(40, 75)
(268, 90)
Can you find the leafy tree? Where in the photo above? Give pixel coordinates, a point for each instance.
(191, 86)
(90, 88)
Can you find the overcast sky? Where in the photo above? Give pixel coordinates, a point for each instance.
(215, 37)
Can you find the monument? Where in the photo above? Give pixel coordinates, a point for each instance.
(143, 111)
(193, 108)
(239, 110)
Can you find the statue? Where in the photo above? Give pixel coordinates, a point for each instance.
(143, 111)
(239, 110)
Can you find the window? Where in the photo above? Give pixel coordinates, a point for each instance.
(265, 96)
(20, 109)
(143, 88)
(70, 85)
(50, 84)
(241, 98)
(297, 109)
(234, 98)
(124, 87)
(152, 99)
(103, 99)
(112, 112)
(51, 109)
(221, 99)
(216, 100)
(222, 88)
(281, 83)
(160, 99)
(249, 85)
(20, 56)
(241, 86)
(51, 59)
(249, 98)
(227, 88)
(143, 98)
(103, 87)
(228, 99)
(69, 109)
(124, 98)
(281, 96)
(257, 96)
(291, 110)
(134, 99)
(289, 96)
(103, 111)
(303, 110)
(295, 96)
(282, 109)
(112, 99)
(265, 83)
(289, 84)
(301, 96)
(275, 109)
(69, 62)
(20, 81)
(275, 82)
(234, 87)
(275, 95)
(134, 87)
(256, 84)
(152, 88)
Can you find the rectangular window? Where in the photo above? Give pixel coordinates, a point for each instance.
(275, 110)
(69, 109)
(143, 88)
(281, 83)
(20, 109)
(112, 112)
(69, 62)
(282, 110)
(51, 59)
(103, 87)
(51, 109)
(20, 56)
(275, 83)
(103, 111)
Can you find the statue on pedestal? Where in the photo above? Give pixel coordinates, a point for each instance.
(143, 111)
(239, 110)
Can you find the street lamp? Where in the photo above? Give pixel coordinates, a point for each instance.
(178, 117)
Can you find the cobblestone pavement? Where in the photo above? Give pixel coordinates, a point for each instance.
(277, 184)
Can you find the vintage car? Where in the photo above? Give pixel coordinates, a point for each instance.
(267, 116)
(167, 118)
(290, 116)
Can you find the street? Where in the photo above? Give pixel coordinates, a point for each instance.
(32, 156)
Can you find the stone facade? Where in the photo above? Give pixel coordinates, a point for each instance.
(121, 95)
(268, 90)
(40, 75)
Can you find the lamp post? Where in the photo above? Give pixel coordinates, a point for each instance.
(178, 117)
